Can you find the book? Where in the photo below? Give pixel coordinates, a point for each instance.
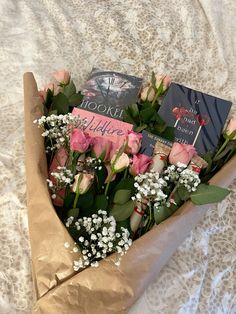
(109, 93)
(198, 118)
(99, 125)
(148, 143)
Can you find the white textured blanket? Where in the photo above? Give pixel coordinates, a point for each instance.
(191, 40)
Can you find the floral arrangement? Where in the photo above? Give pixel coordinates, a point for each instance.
(109, 194)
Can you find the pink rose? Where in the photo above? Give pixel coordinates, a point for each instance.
(101, 148)
(83, 182)
(140, 164)
(80, 141)
(163, 78)
(181, 153)
(148, 93)
(231, 127)
(133, 142)
(62, 77)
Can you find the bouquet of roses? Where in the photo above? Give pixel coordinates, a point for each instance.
(109, 193)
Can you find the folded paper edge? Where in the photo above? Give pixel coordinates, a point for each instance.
(44, 224)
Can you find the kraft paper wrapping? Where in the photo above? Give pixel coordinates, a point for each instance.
(108, 288)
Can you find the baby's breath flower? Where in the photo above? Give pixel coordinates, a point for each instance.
(101, 239)
(57, 128)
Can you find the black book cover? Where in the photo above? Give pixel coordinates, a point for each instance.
(109, 93)
(149, 141)
(198, 118)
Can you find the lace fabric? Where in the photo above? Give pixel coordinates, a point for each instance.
(190, 40)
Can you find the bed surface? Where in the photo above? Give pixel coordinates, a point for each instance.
(195, 43)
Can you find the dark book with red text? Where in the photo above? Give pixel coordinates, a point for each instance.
(109, 93)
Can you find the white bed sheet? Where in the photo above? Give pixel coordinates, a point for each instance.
(192, 40)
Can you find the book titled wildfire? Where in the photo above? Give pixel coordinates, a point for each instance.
(99, 125)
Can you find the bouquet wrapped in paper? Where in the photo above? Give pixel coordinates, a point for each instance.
(106, 215)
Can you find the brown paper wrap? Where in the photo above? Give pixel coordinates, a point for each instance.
(107, 289)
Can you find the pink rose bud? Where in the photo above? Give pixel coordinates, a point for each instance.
(163, 78)
(62, 77)
(140, 164)
(181, 153)
(148, 93)
(80, 141)
(101, 148)
(43, 93)
(83, 182)
(231, 127)
(118, 164)
(133, 142)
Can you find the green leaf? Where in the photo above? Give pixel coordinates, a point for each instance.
(147, 114)
(75, 99)
(169, 133)
(60, 103)
(74, 212)
(122, 212)
(183, 193)
(49, 98)
(127, 117)
(133, 110)
(126, 184)
(52, 112)
(122, 196)
(160, 214)
(207, 194)
(140, 128)
(69, 89)
(101, 202)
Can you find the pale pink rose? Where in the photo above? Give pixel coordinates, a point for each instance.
(133, 142)
(43, 93)
(108, 167)
(231, 127)
(118, 164)
(101, 148)
(62, 77)
(59, 160)
(80, 141)
(163, 78)
(83, 182)
(148, 93)
(140, 164)
(181, 153)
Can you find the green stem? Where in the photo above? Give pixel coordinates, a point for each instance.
(158, 93)
(222, 148)
(77, 192)
(76, 198)
(125, 173)
(108, 182)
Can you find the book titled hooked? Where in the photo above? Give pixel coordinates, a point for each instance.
(108, 93)
(98, 125)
